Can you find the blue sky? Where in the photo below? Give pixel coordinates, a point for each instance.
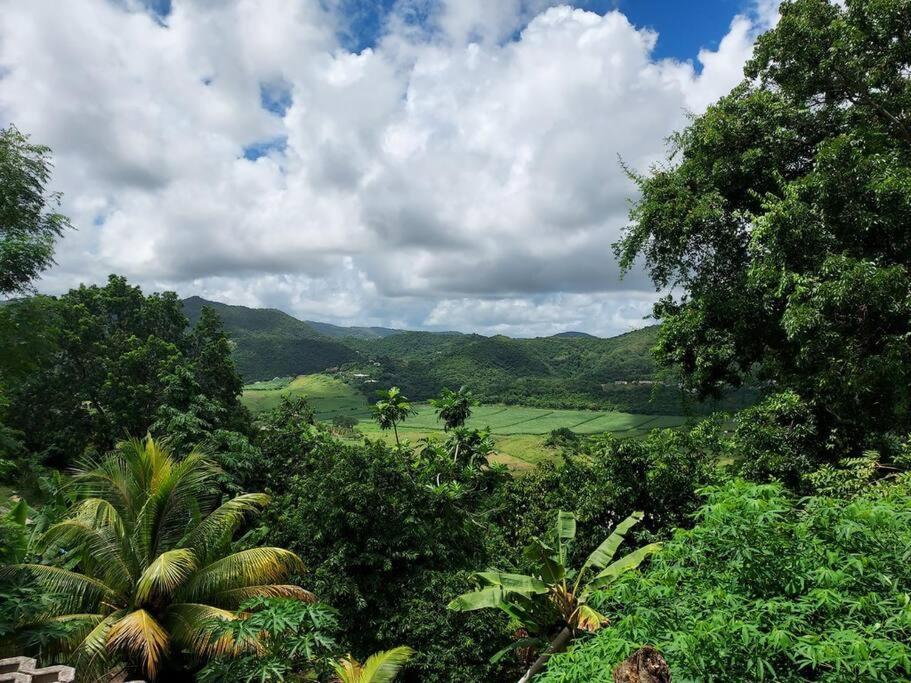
(685, 26)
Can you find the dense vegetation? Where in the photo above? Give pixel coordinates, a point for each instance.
(772, 544)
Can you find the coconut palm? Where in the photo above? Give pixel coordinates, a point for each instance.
(552, 603)
(453, 407)
(148, 563)
(382, 667)
(392, 408)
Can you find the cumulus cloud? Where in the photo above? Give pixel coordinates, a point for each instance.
(463, 173)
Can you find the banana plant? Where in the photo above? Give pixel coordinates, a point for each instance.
(552, 602)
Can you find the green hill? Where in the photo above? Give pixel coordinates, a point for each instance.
(270, 343)
(563, 371)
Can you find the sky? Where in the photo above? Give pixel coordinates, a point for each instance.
(427, 164)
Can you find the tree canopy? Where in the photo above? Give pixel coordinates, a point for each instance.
(780, 222)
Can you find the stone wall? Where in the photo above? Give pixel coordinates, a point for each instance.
(25, 670)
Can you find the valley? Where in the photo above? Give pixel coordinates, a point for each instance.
(519, 431)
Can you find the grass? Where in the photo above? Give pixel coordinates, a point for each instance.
(518, 431)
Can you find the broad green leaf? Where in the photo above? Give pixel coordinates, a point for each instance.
(518, 583)
(612, 572)
(492, 596)
(546, 560)
(604, 553)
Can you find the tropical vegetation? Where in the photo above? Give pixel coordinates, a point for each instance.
(151, 526)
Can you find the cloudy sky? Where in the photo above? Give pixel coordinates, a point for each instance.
(432, 164)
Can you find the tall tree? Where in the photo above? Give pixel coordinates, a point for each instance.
(121, 362)
(29, 222)
(392, 408)
(150, 562)
(780, 222)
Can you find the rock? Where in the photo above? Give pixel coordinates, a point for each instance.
(645, 665)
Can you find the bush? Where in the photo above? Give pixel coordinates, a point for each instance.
(768, 587)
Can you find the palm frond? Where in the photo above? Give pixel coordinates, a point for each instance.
(253, 567)
(190, 626)
(384, 666)
(223, 521)
(142, 639)
(165, 574)
(91, 655)
(73, 592)
(230, 599)
(101, 546)
(347, 670)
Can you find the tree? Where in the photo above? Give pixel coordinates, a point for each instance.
(149, 561)
(453, 407)
(782, 221)
(29, 225)
(382, 667)
(552, 603)
(392, 408)
(115, 362)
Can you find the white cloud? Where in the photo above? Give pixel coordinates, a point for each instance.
(458, 175)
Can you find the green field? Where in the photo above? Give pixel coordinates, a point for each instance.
(518, 431)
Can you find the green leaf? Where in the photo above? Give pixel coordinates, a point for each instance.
(516, 583)
(623, 565)
(604, 553)
(492, 596)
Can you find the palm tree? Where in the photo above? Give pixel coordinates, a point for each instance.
(149, 564)
(382, 667)
(552, 602)
(392, 408)
(453, 407)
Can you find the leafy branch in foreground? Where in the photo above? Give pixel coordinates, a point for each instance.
(552, 603)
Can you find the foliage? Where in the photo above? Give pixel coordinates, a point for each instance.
(766, 587)
(453, 407)
(279, 640)
(346, 422)
(381, 667)
(608, 478)
(782, 221)
(115, 362)
(562, 437)
(777, 439)
(147, 561)
(554, 598)
(29, 223)
(384, 533)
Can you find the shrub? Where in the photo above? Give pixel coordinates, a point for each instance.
(768, 587)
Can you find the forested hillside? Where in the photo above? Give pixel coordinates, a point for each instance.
(568, 370)
(268, 343)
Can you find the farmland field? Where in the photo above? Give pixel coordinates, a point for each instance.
(518, 431)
